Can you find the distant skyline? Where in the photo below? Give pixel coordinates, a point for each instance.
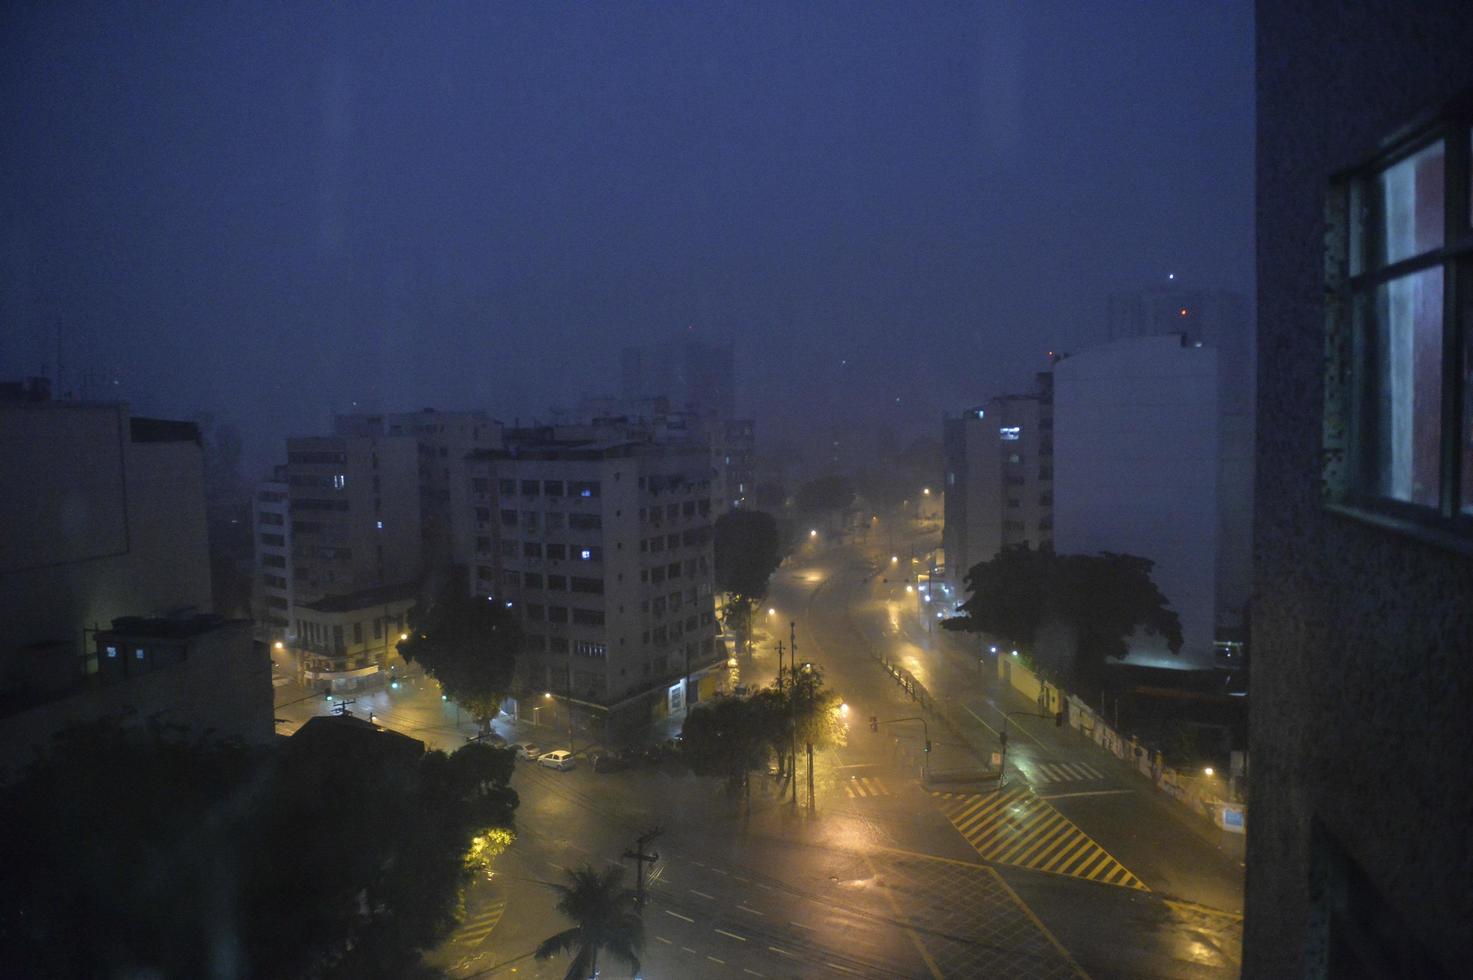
(270, 215)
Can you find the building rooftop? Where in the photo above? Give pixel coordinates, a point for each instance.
(160, 627)
(361, 600)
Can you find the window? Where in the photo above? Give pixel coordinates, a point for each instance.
(358, 634)
(531, 549)
(591, 553)
(585, 522)
(508, 518)
(557, 614)
(557, 583)
(507, 487)
(532, 580)
(1010, 433)
(553, 521)
(535, 611)
(557, 551)
(593, 586)
(588, 617)
(530, 488)
(583, 488)
(1398, 418)
(552, 488)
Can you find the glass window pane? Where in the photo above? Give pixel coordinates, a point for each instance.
(1407, 374)
(1411, 205)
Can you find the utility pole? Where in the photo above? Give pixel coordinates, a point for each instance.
(639, 857)
(793, 704)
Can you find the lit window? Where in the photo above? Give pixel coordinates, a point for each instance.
(112, 651)
(339, 481)
(138, 653)
(585, 554)
(1399, 442)
(1010, 433)
(380, 525)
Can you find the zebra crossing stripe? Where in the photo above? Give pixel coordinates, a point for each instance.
(865, 786)
(1017, 827)
(482, 924)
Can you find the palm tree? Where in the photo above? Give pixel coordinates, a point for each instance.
(605, 916)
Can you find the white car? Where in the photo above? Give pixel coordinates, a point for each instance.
(526, 750)
(561, 759)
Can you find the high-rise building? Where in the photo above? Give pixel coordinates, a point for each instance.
(443, 440)
(1358, 845)
(600, 537)
(695, 375)
(999, 460)
(1136, 449)
(273, 594)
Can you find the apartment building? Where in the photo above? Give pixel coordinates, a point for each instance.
(1358, 848)
(999, 461)
(273, 594)
(345, 641)
(600, 537)
(442, 442)
(697, 376)
(355, 513)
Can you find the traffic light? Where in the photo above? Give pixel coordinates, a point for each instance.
(928, 745)
(874, 723)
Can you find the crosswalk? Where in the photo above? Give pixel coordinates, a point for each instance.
(477, 927)
(859, 787)
(1013, 826)
(1064, 772)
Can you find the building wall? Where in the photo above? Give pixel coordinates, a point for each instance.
(1136, 469)
(641, 640)
(999, 480)
(97, 525)
(223, 685)
(355, 513)
(273, 597)
(1360, 677)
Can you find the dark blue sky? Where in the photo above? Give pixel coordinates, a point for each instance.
(271, 212)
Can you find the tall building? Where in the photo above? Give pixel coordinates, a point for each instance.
(274, 592)
(347, 553)
(1136, 439)
(733, 449)
(443, 440)
(600, 537)
(1358, 851)
(999, 460)
(695, 375)
(105, 579)
(1223, 321)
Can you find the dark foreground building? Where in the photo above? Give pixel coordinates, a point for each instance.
(1360, 853)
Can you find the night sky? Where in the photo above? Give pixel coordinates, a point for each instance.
(272, 212)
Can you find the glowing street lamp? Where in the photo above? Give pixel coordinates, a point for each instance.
(813, 533)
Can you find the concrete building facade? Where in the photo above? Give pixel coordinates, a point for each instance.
(999, 464)
(1358, 857)
(601, 539)
(273, 594)
(1136, 439)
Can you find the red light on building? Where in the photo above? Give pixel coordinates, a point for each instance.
(1183, 311)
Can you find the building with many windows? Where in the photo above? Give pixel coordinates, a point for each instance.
(600, 537)
(273, 594)
(1358, 857)
(999, 461)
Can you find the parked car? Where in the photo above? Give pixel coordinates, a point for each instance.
(557, 759)
(526, 750)
(609, 762)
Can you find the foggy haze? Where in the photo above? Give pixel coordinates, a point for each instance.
(274, 214)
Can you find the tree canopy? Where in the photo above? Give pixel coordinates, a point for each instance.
(1104, 597)
(179, 856)
(467, 643)
(747, 553)
(726, 738)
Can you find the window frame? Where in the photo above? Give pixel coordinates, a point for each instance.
(1349, 412)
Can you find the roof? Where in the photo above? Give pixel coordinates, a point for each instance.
(351, 734)
(173, 627)
(361, 600)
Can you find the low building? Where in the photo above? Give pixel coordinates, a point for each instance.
(203, 673)
(346, 642)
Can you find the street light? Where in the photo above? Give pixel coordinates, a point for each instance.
(1207, 771)
(813, 533)
(279, 645)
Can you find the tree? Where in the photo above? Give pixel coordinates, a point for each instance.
(824, 495)
(725, 738)
(1103, 597)
(747, 553)
(335, 856)
(467, 643)
(605, 917)
(816, 709)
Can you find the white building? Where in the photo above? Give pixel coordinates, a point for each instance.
(1137, 462)
(601, 538)
(273, 595)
